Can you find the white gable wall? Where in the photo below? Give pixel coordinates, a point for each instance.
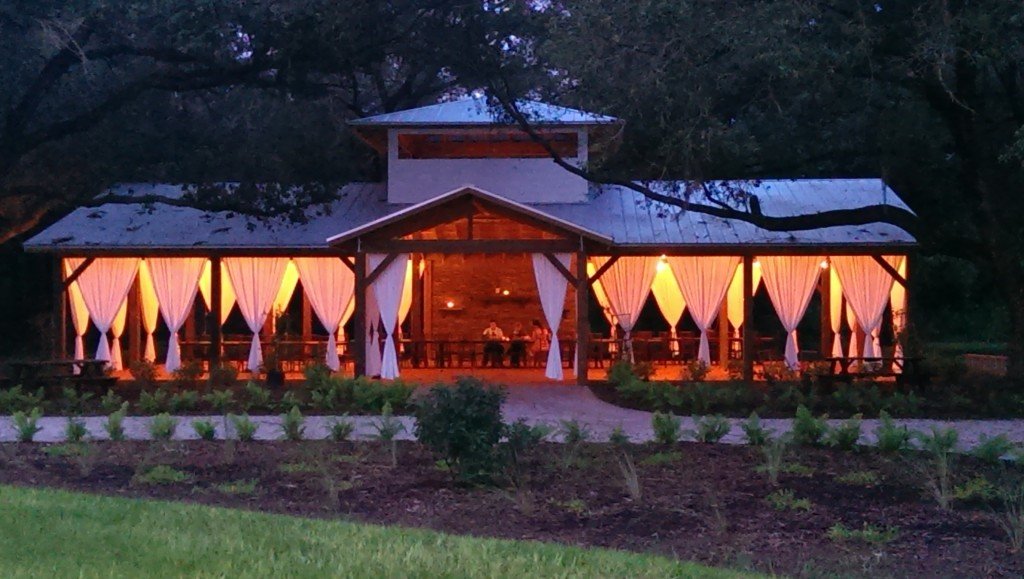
(523, 180)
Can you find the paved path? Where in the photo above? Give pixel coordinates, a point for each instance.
(536, 404)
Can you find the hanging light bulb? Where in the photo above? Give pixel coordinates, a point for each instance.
(824, 264)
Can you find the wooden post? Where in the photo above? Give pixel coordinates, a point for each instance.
(216, 289)
(59, 348)
(135, 343)
(307, 317)
(723, 334)
(416, 313)
(582, 318)
(748, 318)
(825, 291)
(359, 317)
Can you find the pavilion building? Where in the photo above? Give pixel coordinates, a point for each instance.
(474, 222)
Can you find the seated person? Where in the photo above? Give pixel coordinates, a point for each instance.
(540, 341)
(517, 348)
(493, 350)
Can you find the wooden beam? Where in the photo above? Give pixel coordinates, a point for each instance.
(723, 334)
(748, 318)
(607, 265)
(359, 317)
(454, 246)
(889, 269)
(561, 268)
(59, 312)
(582, 285)
(216, 293)
(78, 271)
(372, 277)
(134, 322)
(349, 263)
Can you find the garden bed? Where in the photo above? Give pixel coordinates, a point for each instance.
(861, 513)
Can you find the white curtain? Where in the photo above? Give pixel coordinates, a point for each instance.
(551, 287)
(387, 289)
(866, 286)
(175, 280)
(373, 358)
(349, 310)
(256, 281)
(602, 300)
(898, 303)
(105, 285)
(227, 292)
(406, 303)
(284, 292)
(835, 312)
(669, 299)
(149, 305)
(116, 331)
(790, 281)
(734, 298)
(329, 285)
(853, 351)
(704, 282)
(627, 283)
(79, 314)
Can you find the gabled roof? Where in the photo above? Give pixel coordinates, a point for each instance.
(476, 111)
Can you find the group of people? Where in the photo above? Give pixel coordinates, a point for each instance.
(523, 347)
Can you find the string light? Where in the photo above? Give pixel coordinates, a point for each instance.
(449, 304)
(824, 264)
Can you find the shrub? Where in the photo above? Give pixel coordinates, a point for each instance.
(111, 401)
(326, 391)
(462, 425)
(15, 399)
(144, 374)
(785, 500)
(372, 395)
(290, 399)
(74, 430)
(806, 428)
(573, 432)
(623, 371)
(630, 476)
(223, 377)
(115, 423)
(256, 397)
(74, 401)
(205, 429)
(618, 436)
(941, 444)
(187, 376)
(889, 436)
(27, 425)
(755, 434)
(666, 428)
(712, 428)
(695, 371)
(184, 401)
(388, 428)
(1011, 519)
(521, 438)
(220, 400)
(245, 428)
(342, 429)
(162, 427)
(774, 453)
(992, 449)
(155, 402)
(846, 435)
(293, 425)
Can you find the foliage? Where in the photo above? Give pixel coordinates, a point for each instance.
(462, 425)
(342, 429)
(75, 430)
(976, 489)
(224, 376)
(290, 399)
(161, 474)
(695, 371)
(667, 428)
(221, 401)
(27, 426)
(1011, 519)
(711, 428)
(866, 534)
(624, 371)
(245, 428)
(807, 429)
(184, 401)
(618, 436)
(520, 439)
(327, 392)
(111, 401)
(293, 425)
(941, 444)
(858, 478)
(388, 428)
(371, 395)
(574, 432)
(162, 427)
(753, 432)
(187, 376)
(630, 476)
(115, 423)
(256, 397)
(774, 453)
(16, 399)
(992, 449)
(74, 401)
(846, 435)
(205, 429)
(238, 487)
(889, 437)
(662, 457)
(785, 500)
(144, 374)
(152, 403)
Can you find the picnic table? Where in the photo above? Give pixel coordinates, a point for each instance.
(90, 373)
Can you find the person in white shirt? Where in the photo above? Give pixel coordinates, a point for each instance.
(494, 352)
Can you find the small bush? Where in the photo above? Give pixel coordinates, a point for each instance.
(941, 444)
(807, 429)
(755, 434)
(388, 428)
(156, 402)
(205, 429)
(695, 371)
(867, 534)
(342, 429)
(623, 371)
(161, 475)
(115, 423)
(630, 476)
(667, 428)
(74, 401)
(162, 427)
(187, 376)
(144, 374)
(574, 432)
(976, 489)
(222, 377)
(74, 430)
(889, 437)
(712, 428)
(326, 391)
(372, 395)
(293, 425)
(111, 401)
(14, 399)
(221, 401)
(618, 437)
(1011, 519)
(785, 500)
(992, 449)
(27, 425)
(846, 435)
(462, 425)
(184, 401)
(256, 397)
(774, 453)
(245, 428)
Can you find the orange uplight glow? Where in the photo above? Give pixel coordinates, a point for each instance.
(505, 292)
(449, 304)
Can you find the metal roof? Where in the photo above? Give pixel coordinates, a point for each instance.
(613, 212)
(476, 111)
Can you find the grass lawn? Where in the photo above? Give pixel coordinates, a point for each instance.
(47, 533)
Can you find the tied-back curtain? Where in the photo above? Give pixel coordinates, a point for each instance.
(898, 303)
(116, 331)
(373, 359)
(851, 321)
(79, 314)
(835, 311)
(149, 305)
(790, 281)
(105, 285)
(175, 280)
(866, 286)
(551, 286)
(329, 285)
(704, 281)
(670, 301)
(627, 283)
(349, 310)
(284, 292)
(387, 289)
(602, 300)
(256, 281)
(406, 303)
(227, 292)
(734, 299)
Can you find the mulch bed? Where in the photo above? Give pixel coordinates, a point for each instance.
(699, 501)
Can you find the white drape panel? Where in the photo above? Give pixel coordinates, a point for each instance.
(256, 281)
(734, 298)
(285, 292)
(551, 286)
(602, 298)
(175, 280)
(790, 281)
(349, 310)
(866, 286)
(851, 321)
(387, 289)
(227, 291)
(105, 284)
(149, 305)
(373, 358)
(669, 299)
(406, 303)
(116, 331)
(329, 284)
(898, 303)
(704, 281)
(626, 284)
(835, 311)
(79, 314)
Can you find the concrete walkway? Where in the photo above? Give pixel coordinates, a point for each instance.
(542, 404)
